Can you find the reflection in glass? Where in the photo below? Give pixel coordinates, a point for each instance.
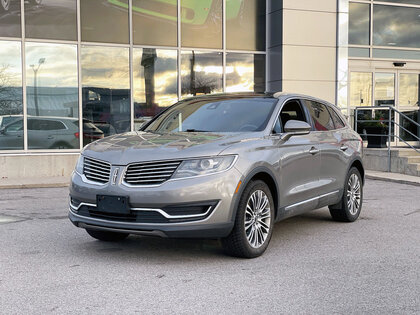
(396, 54)
(106, 91)
(359, 23)
(11, 106)
(245, 24)
(408, 130)
(360, 89)
(359, 52)
(155, 22)
(384, 89)
(396, 26)
(155, 82)
(201, 23)
(201, 73)
(402, 1)
(51, 19)
(245, 72)
(52, 96)
(408, 93)
(10, 18)
(104, 21)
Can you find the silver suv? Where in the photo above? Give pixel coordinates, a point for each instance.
(222, 166)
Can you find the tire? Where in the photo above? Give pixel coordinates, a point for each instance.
(350, 206)
(107, 236)
(244, 241)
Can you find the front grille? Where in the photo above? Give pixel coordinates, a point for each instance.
(150, 173)
(96, 171)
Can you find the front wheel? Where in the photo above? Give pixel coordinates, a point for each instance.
(350, 206)
(254, 222)
(107, 236)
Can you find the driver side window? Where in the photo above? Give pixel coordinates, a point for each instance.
(292, 110)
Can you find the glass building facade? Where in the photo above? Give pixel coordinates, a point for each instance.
(73, 71)
(384, 62)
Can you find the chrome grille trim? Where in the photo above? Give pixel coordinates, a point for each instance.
(150, 173)
(96, 170)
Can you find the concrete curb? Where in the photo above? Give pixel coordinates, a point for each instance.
(393, 180)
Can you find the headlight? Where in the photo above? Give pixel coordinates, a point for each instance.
(204, 166)
(79, 165)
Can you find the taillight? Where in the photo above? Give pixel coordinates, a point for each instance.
(76, 134)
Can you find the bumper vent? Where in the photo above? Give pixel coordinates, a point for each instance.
(96, 171)
(150, 173)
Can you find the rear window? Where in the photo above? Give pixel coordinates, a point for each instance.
(320, 116)
(338, 122)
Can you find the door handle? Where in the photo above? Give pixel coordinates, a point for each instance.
(50, 137)
(344, 147)
(313, 151)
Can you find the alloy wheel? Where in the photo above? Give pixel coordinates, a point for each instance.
(353, 194)
(257, 219)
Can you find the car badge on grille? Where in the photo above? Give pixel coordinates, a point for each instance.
(115, 176)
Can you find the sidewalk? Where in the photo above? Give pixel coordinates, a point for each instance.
(393, 177)
(63, 181)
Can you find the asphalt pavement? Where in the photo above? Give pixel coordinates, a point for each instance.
(312, 266)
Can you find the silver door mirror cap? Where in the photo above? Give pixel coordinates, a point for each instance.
(295, 128)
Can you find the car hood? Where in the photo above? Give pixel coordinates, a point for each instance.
(141, 146)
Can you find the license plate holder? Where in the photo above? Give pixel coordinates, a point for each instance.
(112, 204)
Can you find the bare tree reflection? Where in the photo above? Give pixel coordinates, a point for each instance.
(10, 96)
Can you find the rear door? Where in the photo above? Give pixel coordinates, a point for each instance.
(332, 144)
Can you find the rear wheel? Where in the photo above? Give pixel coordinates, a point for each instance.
(254, 221)
(350, 206)
(107, 236)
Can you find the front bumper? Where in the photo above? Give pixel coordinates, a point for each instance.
(152, 208)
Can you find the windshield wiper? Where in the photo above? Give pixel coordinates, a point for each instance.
(195, 130)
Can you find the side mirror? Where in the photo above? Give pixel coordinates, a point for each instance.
(2, 131)
(295, 128)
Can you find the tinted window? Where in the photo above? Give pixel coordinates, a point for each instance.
(396, 26)
(155, 82)
(10, 91)
(106, 88)
(201, 72)
(105, 21)
(245, 24)
(159, 18)
(17, 126)
(10, 18)
(216, 115)
(201, 23)
(41, 124)
(359, 23)
(51, 19)
(245, 72)
(321, 117)
(338, 123)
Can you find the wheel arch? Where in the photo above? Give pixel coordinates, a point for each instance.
(267, 176)
(357, 163)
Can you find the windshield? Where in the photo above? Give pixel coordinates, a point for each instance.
(216, 115)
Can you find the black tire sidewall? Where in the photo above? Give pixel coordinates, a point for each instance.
(240, 216)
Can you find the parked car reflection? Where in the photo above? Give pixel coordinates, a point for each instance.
(46, 132)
